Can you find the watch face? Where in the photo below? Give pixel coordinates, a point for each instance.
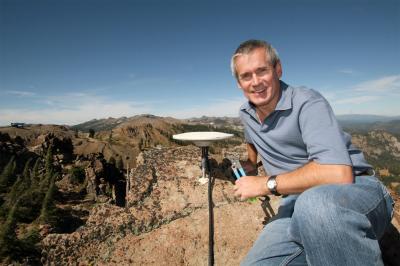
(271, 184)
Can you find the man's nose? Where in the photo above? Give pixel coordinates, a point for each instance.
(255, 80)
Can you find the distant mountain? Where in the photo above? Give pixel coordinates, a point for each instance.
(365, 118)
(381, 149)
(33, 134)
(107, 124)
(366, 123)
(100, 124)
(350, 123)
(218, 121)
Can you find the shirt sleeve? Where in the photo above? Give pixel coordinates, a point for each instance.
(247, 138)
(324, 138)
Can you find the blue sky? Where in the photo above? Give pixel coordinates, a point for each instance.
(68, 61)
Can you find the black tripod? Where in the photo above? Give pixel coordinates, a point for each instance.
(206, 171)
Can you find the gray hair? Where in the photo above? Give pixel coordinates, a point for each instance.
(249, 46)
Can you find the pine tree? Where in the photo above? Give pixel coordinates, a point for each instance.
(29, 196)
(7, 177)
(22, 184)
(35, 178)
(91, 133)
(49, 160)
(77, 175)
(16, 190)
(49, 171)
(8, 237)
(28, 246)
(26, 174)
(48, 207)
(30, 205)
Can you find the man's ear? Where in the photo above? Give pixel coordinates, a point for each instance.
(278, 69)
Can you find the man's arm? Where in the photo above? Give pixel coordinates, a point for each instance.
(252, 154)
(310, 175)
(313, 174)
(251, 166)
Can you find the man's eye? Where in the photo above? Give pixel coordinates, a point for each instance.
(246, 76)
(262, 71)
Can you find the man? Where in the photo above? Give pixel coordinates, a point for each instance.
(334, 210)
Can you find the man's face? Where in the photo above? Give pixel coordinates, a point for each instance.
(258, 79)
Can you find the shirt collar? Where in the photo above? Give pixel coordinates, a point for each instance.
(284, 103)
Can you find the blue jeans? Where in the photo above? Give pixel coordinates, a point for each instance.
(327, 225)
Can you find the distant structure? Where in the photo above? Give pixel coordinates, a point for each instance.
(18, 125)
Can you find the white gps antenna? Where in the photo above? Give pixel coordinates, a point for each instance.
(204, 140)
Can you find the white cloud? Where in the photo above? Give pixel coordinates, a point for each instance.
(73, 108)
(69, 117)
(388, 83)
(357, 100)
(73, 112)
(330, 96)
(102, 108)
(78, 94)
(378, 96)
(224, 107)
(21, 93)
(348, 71)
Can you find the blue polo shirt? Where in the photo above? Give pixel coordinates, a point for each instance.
(302, 128)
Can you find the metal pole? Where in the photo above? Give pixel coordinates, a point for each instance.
(206, 169)
(127, 185)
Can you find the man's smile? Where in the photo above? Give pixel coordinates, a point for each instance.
(258, 91)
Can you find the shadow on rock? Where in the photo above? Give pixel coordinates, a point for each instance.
(223, 170)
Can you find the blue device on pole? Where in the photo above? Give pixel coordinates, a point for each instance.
(239, 172)
(238, 169)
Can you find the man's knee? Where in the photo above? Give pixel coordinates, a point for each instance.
(316, 203)
(274, 247)
(328, 208)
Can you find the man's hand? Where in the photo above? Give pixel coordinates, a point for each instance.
(250, 186)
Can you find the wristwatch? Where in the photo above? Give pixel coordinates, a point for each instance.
(271, 185)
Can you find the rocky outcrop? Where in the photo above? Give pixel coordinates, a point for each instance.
(376, 143)
(104, 181)
(382, 150)
(13, 147)
(61, 146)
(166, 220)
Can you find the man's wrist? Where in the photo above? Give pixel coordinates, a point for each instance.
(272, 185)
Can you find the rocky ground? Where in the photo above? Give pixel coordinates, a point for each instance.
(166, 219)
